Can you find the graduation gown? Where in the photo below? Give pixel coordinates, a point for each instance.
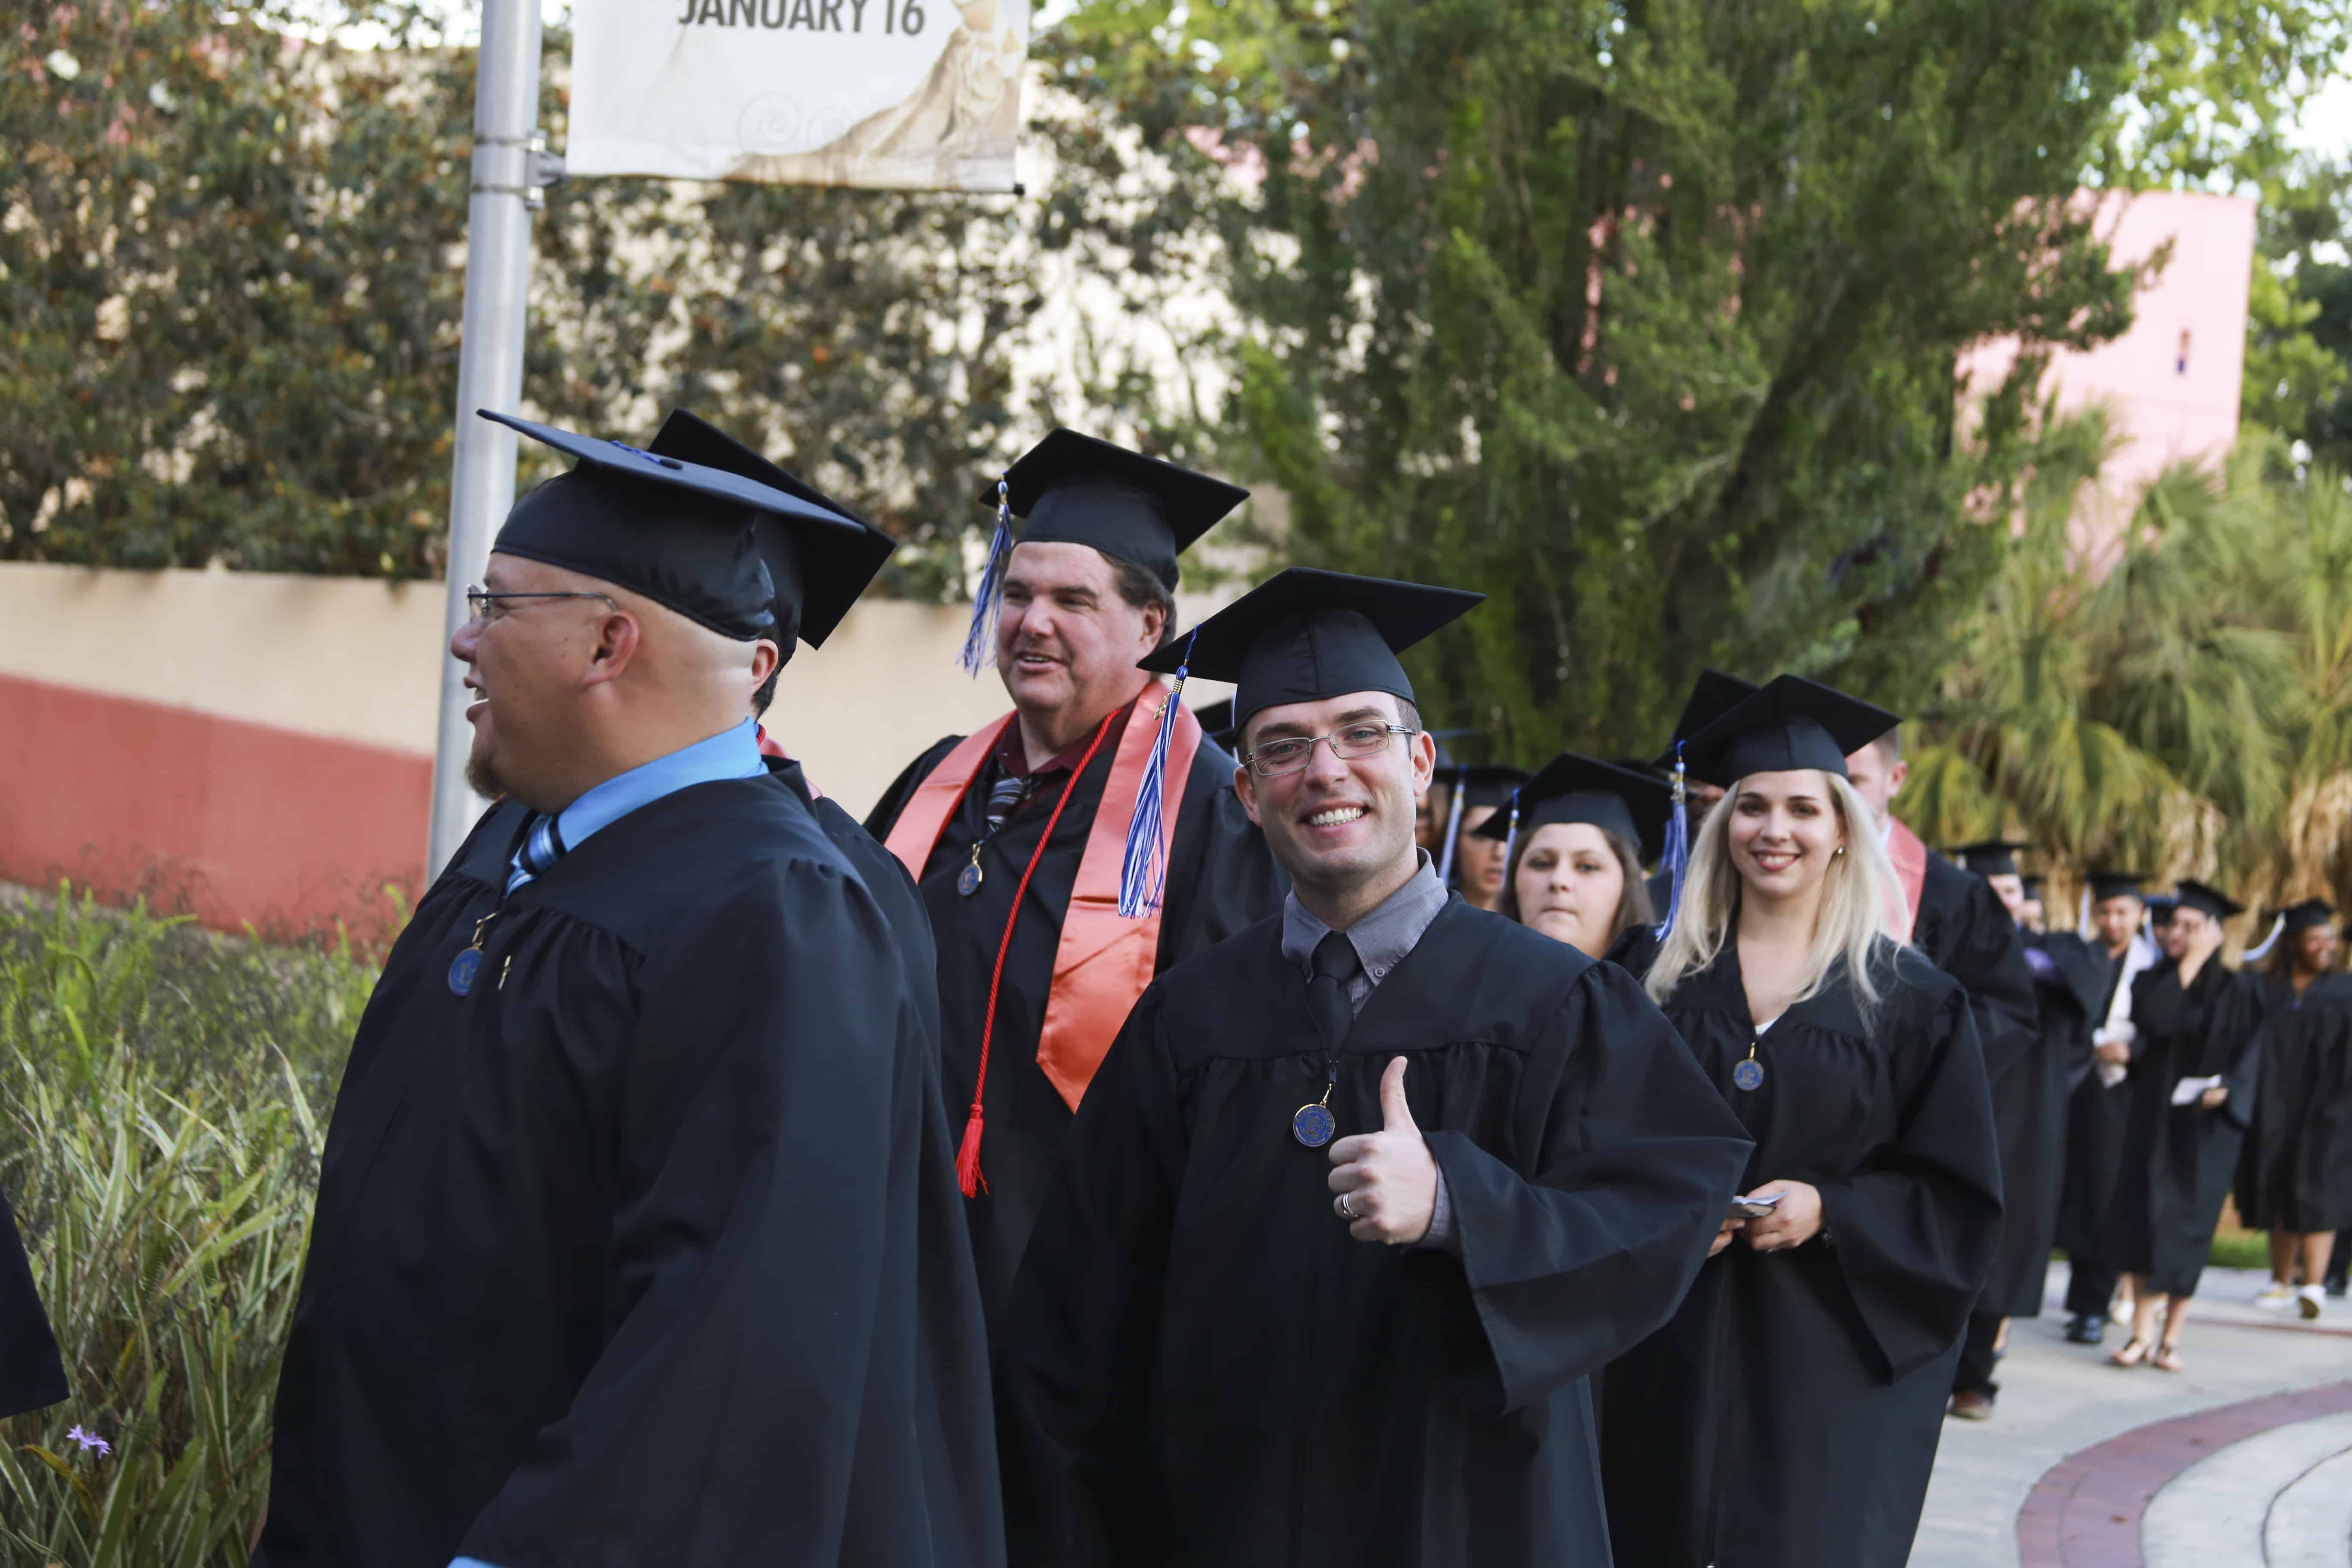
(2031, 1119)
(1788, 1415)
(30, 1374)
(1221, 878)
(2178, 1160)
(642, 1250)
(2296, 1172)
(2096, 1115)
(1210, 1372)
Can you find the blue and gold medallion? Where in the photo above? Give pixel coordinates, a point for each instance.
(463, 968)
(1312, 1125)
(1749, 1074)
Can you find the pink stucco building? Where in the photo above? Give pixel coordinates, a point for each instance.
(2171, 383)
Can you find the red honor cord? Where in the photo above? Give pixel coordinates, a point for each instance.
(968, 1174)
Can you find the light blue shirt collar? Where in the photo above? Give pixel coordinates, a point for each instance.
(730, 754)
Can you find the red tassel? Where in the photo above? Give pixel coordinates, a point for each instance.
(968, 1174)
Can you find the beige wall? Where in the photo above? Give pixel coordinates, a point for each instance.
(348, 659)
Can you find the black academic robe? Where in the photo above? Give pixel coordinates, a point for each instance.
(1220, 879)
(1209, 1371)
(641, 1250)
(2296, 1172)
(2096, 1115)
(2178, 1160)
(1788, 1417)
(30, 1374)
(2031, 1119)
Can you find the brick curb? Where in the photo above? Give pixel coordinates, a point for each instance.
(2084, 1513)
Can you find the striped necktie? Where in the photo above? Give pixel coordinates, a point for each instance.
(541, 848)
(1005, 796)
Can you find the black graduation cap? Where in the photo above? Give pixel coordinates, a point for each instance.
(2107, 885)
(2212, 900)
(1304, 635)
(1712, 696)
(679, 533)
(818, 568)
(1483, 784)
(1216, 721)
(1077, 490)
(2303, 916)
(1994, 858)
(1789, 723)
(1570, 788)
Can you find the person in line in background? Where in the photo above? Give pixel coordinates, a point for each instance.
(2098, 1106)
(620, 1251)
(1473, 865)
(2028, 1103)
(2194, 1066)
(1362, 1196)
(2170, 942)
(2032, 915)
(1578, 835)
(1018, 834)
(1712, 695)
(1788, 1417)
(2294, 1179)
(1964, 927)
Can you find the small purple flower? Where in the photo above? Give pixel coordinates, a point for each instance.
(88, 1440)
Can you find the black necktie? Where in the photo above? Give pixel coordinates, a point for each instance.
(1335, 964)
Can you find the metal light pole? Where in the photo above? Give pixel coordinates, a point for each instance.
(509, 167)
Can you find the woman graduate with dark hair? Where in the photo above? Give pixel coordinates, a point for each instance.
(1788, 1417)
(2193, 1069)
(1575, 837)
(2295, 1179)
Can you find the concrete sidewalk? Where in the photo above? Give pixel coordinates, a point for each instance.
(2058, 1398)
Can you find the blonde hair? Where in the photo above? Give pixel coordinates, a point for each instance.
(1857, 894)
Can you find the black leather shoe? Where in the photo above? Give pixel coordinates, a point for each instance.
(2086, 1328)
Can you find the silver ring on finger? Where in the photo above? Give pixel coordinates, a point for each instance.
(1347, 1211)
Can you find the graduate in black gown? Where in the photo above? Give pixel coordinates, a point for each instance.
(1104, 529)
(635, 1238)
(2029, 1104)
(30, 1373)
(1788, 1415)
(1575, 840)
(2098, 1106)
(2294, 1177)
(1364, 1196)
(2196, 1060)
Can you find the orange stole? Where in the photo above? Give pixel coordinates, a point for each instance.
(1910, 858)
(1103, 961)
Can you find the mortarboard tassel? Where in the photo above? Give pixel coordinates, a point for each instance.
(1144, 861)
(979, 642)
(2256, 955)
(1453, 793)
(1676, 860)
(1511, 829)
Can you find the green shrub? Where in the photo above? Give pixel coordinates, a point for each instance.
(163, 1100)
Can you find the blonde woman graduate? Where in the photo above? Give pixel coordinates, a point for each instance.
(1788, 1415)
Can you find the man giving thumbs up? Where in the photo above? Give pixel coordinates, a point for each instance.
(1205, 1363)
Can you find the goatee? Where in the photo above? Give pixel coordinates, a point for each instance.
(482, 778)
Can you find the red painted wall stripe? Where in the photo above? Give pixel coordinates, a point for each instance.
(238, 824)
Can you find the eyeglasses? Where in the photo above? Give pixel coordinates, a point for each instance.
(485, 606)
(1276, 758)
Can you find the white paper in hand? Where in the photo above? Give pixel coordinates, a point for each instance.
(2186, 1091)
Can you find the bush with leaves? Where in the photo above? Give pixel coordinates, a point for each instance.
(163, 1096)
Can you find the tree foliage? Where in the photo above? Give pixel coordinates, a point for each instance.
(231, 277)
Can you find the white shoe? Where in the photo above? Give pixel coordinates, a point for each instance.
(2276, 1298)
(2310, 1298)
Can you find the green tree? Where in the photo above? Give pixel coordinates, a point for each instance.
(231, 276)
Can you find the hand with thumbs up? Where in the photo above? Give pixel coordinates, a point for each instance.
(1387, 1179)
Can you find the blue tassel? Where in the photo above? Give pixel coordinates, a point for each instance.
(1143, 873)
(979, 642)
(1453, 828)
(1677, 856)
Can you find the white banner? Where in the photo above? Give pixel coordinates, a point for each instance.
(893, 94)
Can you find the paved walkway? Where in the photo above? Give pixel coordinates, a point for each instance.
(2110, 1468)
